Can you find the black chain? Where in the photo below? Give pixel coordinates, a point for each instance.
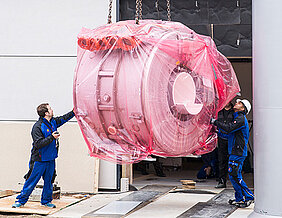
(140, 9)
(110, 12)
(137, 12)
(168, 11)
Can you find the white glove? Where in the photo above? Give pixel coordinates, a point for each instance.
(212, 120)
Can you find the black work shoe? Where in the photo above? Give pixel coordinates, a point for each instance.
(240, 204)
(221, 184)
(232, 201)
(243, 204)
(250, 201)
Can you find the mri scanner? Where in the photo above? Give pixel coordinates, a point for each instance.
(149, 89)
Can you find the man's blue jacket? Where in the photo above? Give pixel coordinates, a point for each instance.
(44, 144)
(238, 134)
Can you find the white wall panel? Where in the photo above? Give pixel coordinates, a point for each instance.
(27, 82)
(47, 27)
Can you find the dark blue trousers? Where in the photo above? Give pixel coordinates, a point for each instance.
(44, 169)
(242, 192)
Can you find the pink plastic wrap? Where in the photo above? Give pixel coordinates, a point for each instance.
(149, 89)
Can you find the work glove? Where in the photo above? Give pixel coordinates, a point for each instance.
(212, 120)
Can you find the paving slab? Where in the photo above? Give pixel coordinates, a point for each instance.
(242, 212)
(118, 207)
(132, 202)
(208, 209)
(173, 204)
(141, 196)
(90, 204)
(216, 207)
(170, 205)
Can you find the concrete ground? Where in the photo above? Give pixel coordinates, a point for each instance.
(167, 206)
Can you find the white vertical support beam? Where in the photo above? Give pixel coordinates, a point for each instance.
(267, 85)
(96, 174)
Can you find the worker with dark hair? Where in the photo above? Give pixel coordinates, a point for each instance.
(225, 116)
(43, 154)
(210, 167)
(238, 137)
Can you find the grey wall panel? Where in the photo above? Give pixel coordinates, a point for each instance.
(234, 40)
(191, 12)
(151, 10)
(127, 10)
(201, 29)
(246, 12)
(224, 12)
(188, 12)
(231, 19)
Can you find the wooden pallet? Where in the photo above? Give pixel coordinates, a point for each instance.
(35, 207)
(6, 193)
(188, 184)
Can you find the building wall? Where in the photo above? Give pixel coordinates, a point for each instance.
(244, 75)
(228, 22)
(37, 63)
(75, 168)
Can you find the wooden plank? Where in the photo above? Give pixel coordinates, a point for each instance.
(130, 174)
(96, 174)
(188, 187)
(6, 193)
(35, 207)
(123, 171)
(188, 184)
(127, 172)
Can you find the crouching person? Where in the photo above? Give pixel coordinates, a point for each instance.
(44, 152)
(238, 136)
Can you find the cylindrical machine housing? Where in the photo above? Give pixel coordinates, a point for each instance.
(149, 89)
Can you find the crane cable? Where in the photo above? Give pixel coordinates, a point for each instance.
(138, 12)
(110, 12)
(168, 10)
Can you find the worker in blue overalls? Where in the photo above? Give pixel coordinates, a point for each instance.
(238, 137)
(44, 152)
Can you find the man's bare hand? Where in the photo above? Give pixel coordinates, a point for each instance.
(56, 134)
(208, 170)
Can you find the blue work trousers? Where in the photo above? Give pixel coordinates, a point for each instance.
(242, 192)
(44, 169)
